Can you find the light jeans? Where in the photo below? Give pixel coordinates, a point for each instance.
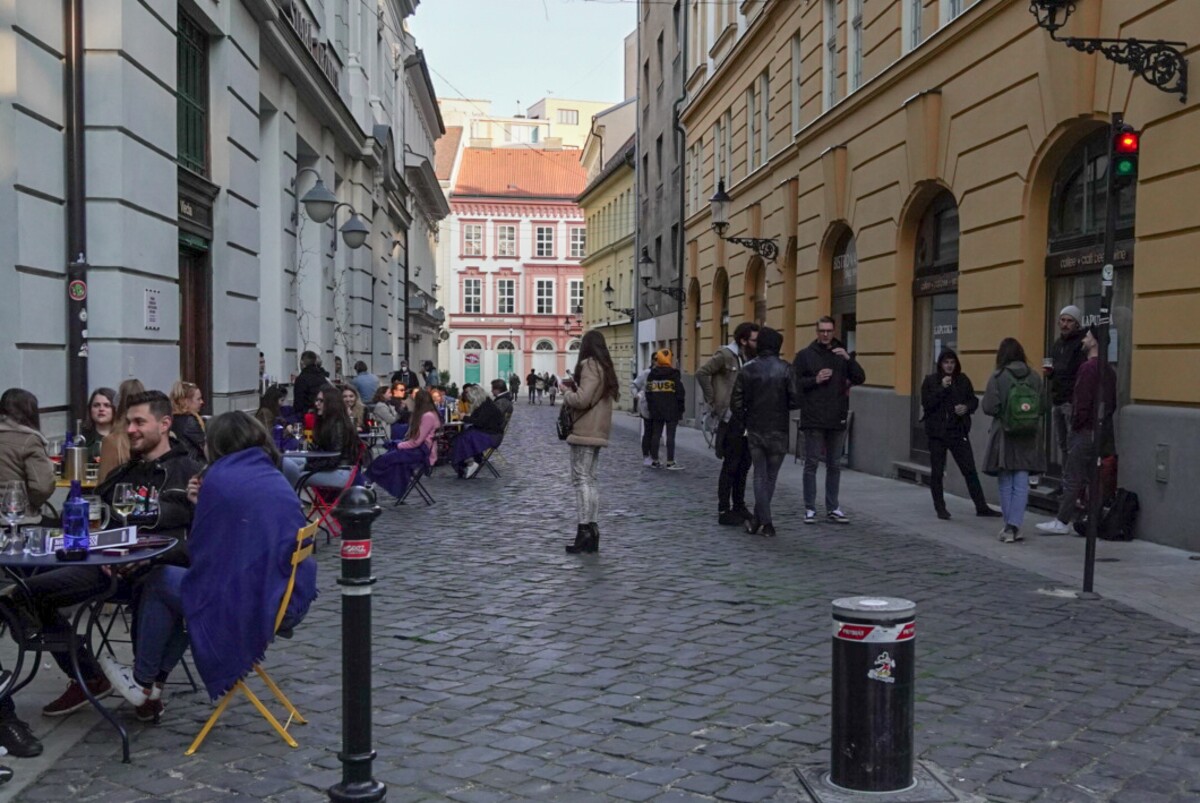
(1014, 494)
(583, 477)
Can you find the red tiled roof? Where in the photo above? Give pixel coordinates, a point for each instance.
(444, 151)
(520, 172)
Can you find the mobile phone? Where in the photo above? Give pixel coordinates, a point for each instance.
(115, 552)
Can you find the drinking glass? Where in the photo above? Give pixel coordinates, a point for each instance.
(34, 542)
(13, 505)
(124, 500)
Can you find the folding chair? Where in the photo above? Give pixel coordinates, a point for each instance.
(122, 609)
(486, 461)
(321, 500)
(305, 542)
(425, 470)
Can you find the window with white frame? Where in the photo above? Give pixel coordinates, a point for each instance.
(727, 147)
(506, 240)
(855, 15)
(910, 23)
(473, 239)
(579, 242)
(543, 241)
(950, 9)
(830, 65)
(568, 116)
(751, 130)
(545, 297)
(506, 297)
(473, 296)
(796, 85)
(718, 154)
(764, 116)
(575, 294)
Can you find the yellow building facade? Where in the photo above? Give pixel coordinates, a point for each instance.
(933, 171)
(608, 204)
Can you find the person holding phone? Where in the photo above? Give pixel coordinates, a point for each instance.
(590, 394)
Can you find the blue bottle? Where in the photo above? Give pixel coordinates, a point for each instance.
(75, 524)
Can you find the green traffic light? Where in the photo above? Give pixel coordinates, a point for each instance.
(1125, 167)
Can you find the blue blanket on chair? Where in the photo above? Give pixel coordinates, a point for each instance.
(241, 544)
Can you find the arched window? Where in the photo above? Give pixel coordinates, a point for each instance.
(1077, 199)
(472, 345)
(544, 345)
(844, 289)
(505, 345)
(574, 345)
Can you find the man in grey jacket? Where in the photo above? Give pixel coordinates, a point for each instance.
(716, 378)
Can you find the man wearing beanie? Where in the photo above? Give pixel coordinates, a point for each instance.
(1066, 356)
(664, 401)
(764, 394)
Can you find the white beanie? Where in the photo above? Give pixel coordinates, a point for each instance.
(1074, 312)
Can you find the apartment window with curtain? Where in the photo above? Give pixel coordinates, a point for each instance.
(751, 130)
(718, 154)
(856, 44)
(472, 296)
(506, 297)
(830, 65)
(575, 294)
(910, 23)
(506, 240)
(796, 85)
(764, 116)
(192, 105)
(545, 296)
(473, 240)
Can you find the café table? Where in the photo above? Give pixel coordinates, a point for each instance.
(18, 567)
(310, 455)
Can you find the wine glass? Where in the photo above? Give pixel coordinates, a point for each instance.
(124, 500)
(12, 504)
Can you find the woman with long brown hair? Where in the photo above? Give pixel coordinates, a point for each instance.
(114, 449)
(335, 432)
(590, 394)
(394, 469)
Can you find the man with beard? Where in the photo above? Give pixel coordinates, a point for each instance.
(716, 378)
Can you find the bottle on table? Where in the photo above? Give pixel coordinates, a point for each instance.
(75, 524)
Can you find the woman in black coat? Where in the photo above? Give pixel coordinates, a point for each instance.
(948, 400)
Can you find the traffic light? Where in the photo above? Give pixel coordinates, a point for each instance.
(1125, 146)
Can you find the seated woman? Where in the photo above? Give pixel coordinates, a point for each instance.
(381, 407)
(333, 432)
(186, 424)
(354, 406)
(269, 406)
(393, 470)
(485, 425)
(241, 544)
(99, 423)
(23, 450)
(114, 447)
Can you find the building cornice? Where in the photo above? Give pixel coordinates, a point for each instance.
(426, 94)
(608, 250)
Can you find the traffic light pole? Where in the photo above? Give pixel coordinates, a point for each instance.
(1095, 504)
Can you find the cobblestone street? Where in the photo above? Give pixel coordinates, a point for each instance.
(685, 661)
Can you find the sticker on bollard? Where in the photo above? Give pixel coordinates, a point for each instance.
(356, 550)
(872, 718)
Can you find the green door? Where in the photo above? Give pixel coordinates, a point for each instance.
(505, 368)
(472, 367)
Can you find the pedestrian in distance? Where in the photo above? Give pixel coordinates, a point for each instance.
(365, 382)
(552, 388)
(947, 403)
(826, 371)
(1066, 356)
(642, 408)
(514, 386)
(764, 394)
(1013, 400)
(665, 402)
(531, 385)
(590, 393)
(407, 376)
(540, 385)
(429, 374)
(1094, 378)
(310, 381)
(716, 378)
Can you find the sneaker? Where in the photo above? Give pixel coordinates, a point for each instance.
(655, 464)
(18, 740)
(74, 699)
(838, 516)
(730, 518)
(810, 517)
(743, 511)
(648, 462)
(1010, 534)
(121, 678)
(943, 514)
(988, 513)
(673, 466)
(151, 710)
(751, 526)
(767, 530)
(472, 469)
(1054, 527)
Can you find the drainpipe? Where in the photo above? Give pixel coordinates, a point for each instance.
(637, 212)
(682, 134)
(407, 235)
(76, 211)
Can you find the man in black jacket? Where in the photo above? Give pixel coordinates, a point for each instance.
(312, 378)
(1066, 356)
(826, 372)
(764, 393)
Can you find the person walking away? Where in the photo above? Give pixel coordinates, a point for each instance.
(1013, 400)
(665, 402)
(642, 408)
(1095, 377)
(540, 385)
(716, 378)
(826, 372)
(514, 387)
(590, 394)
(1067, 354)
(948, 402)
(764, 394)
(364, 382)
(186, 424)
(531, 385)
(552, 388)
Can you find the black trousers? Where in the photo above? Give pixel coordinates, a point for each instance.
(960, 449)
(735, 465)
(647, 433)
(656, 431)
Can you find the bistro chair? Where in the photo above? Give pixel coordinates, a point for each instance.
(321, 500)
(305, 542)
(415, 484)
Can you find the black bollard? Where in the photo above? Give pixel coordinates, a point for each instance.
(355, 511)
(873, 652)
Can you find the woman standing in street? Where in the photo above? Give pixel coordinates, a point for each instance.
(948, 401)
(1012, 451)
(589, 394)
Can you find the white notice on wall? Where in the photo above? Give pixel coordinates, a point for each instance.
(152, 309)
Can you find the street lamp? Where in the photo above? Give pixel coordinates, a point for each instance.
(319, 202)
(609, 295)
(645, 264)
(765, 247)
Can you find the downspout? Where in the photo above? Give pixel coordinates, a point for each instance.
(637, 213)
(76, 211)
(407, 236)
(682, 134)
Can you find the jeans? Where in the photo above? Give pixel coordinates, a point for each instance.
(656, 431)
(816, 440)
(293, 469)
(1081, 457)
(532, 394)
(62, 588)
(960, 450)
(735, 465)
(1060, 420)
(766, 472)
(161, 639)
(1014, 493)
(583, 478)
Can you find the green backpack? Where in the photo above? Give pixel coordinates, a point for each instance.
(1022, 409)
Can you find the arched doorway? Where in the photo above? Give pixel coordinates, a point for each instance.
(692, 325)
(844, 289)
(544, 357)
(720, 309)
(755, 292)
(572, 355)
(472, 361)
(935, 300)
(505, 362)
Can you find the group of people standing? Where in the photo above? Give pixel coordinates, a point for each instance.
(539, 385)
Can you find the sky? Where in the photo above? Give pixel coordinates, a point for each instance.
(523, 50)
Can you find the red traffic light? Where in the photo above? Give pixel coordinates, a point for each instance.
(1127, 142)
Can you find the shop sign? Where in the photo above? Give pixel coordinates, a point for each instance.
(1088, 259)
(935, 284)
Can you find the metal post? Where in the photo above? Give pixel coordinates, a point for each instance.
(872, 718)
(76, 210)
(355, 511)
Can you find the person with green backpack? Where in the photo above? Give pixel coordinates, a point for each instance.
(1013, 399)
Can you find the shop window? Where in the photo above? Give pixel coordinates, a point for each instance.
(845, 289)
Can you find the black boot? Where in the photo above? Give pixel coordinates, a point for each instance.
(583, 536)
(593, 544)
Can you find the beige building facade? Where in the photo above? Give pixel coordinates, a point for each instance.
(933, 171)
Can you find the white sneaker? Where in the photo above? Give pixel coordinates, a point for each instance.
(810, 517)
(647, 462)
(1054, 527)
(838, 516)
(472, 469)
(121, 678)
(673, 466)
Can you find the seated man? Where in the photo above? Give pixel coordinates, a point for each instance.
(485, 425)
(159, 470)
(502, 397)
(241, 543)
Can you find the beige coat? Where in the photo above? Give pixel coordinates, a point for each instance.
(716, 378)
(593, 409)
(23, 457)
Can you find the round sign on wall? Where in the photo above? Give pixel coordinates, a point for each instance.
(472, 359)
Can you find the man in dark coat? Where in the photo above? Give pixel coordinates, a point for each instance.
(764, 394)
(1066, 356)
(826, 372)
(948, 402)
(312, 378)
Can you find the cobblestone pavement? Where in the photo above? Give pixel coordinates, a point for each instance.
(686, 661)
